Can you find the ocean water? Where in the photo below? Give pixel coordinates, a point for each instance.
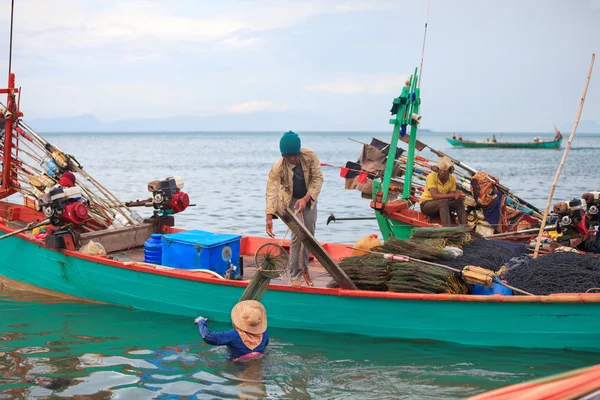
(53, 348)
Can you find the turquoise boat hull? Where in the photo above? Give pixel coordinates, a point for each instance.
(505, 145)
(567, 321)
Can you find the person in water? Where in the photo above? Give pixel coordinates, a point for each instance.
(248, 338)
(295, 181)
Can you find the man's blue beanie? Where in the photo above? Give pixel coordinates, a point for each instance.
(290, 144)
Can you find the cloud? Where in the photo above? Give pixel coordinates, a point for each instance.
(355, 84)
(255, 105)
(133, 28)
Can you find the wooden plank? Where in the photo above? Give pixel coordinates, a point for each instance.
(338, 274)
(120, 238)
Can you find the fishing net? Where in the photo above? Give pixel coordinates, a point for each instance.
(368, 272)
(558, 272)
(448, 236)
(488, 254)
(412, 248)
(414, 277)
(373, 272)
(271, 262)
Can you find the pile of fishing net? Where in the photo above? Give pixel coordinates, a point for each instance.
(373, 272)
(488, 254)
(415, 249)
(457, 236)
(558, 272)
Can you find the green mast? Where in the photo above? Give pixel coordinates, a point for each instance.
(406, 106)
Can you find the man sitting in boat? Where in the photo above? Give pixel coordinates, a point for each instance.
(454, 136)
(494, 139)
(537, 139)
(460, 138)
(295, 181)
(440, 195)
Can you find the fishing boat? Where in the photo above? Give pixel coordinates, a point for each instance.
(537, 143)
(583, 384)
(66, 262)
(390, 177)
(121, 277)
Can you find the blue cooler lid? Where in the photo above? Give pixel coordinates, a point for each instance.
(201, 238)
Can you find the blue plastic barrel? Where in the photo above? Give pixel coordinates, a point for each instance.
(487, 291)
(153, 249)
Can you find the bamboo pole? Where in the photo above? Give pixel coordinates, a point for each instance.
(562, 161)
(44, 145)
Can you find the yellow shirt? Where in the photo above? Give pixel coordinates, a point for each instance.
(433, 181)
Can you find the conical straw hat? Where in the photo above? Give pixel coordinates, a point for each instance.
(249, 316)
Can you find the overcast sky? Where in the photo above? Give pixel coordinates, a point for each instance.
(491, 65)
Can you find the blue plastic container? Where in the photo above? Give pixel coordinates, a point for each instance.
(153, 249)
(486, 291)
(201, 250)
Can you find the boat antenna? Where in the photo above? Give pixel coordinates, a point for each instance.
(424, 39)
(12, 13)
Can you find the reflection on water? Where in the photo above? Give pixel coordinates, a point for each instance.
(69, 349)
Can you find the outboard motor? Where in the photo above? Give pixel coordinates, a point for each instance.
(63, 205)
(572, 217)
(592, 200)
(167, 195)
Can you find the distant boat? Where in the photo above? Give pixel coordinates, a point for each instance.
(537, 143)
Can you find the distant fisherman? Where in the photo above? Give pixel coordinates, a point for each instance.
(295, 180)
(248, 339)
(440, 195)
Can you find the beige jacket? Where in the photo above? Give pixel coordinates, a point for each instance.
(279, 185)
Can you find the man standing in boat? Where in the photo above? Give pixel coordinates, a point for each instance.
(440, 195)
(295, 180)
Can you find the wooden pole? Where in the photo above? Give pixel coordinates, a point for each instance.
(562, 161)
(308, 240)
(29, 227)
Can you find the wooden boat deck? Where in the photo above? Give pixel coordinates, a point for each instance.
(318, 274)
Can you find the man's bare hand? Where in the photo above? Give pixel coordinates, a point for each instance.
(459, 195)
(269, 227)
(300, 205)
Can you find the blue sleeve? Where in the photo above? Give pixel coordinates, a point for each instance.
(214, 338)
(267, 342)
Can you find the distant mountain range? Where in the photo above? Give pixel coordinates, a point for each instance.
(259, 121)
